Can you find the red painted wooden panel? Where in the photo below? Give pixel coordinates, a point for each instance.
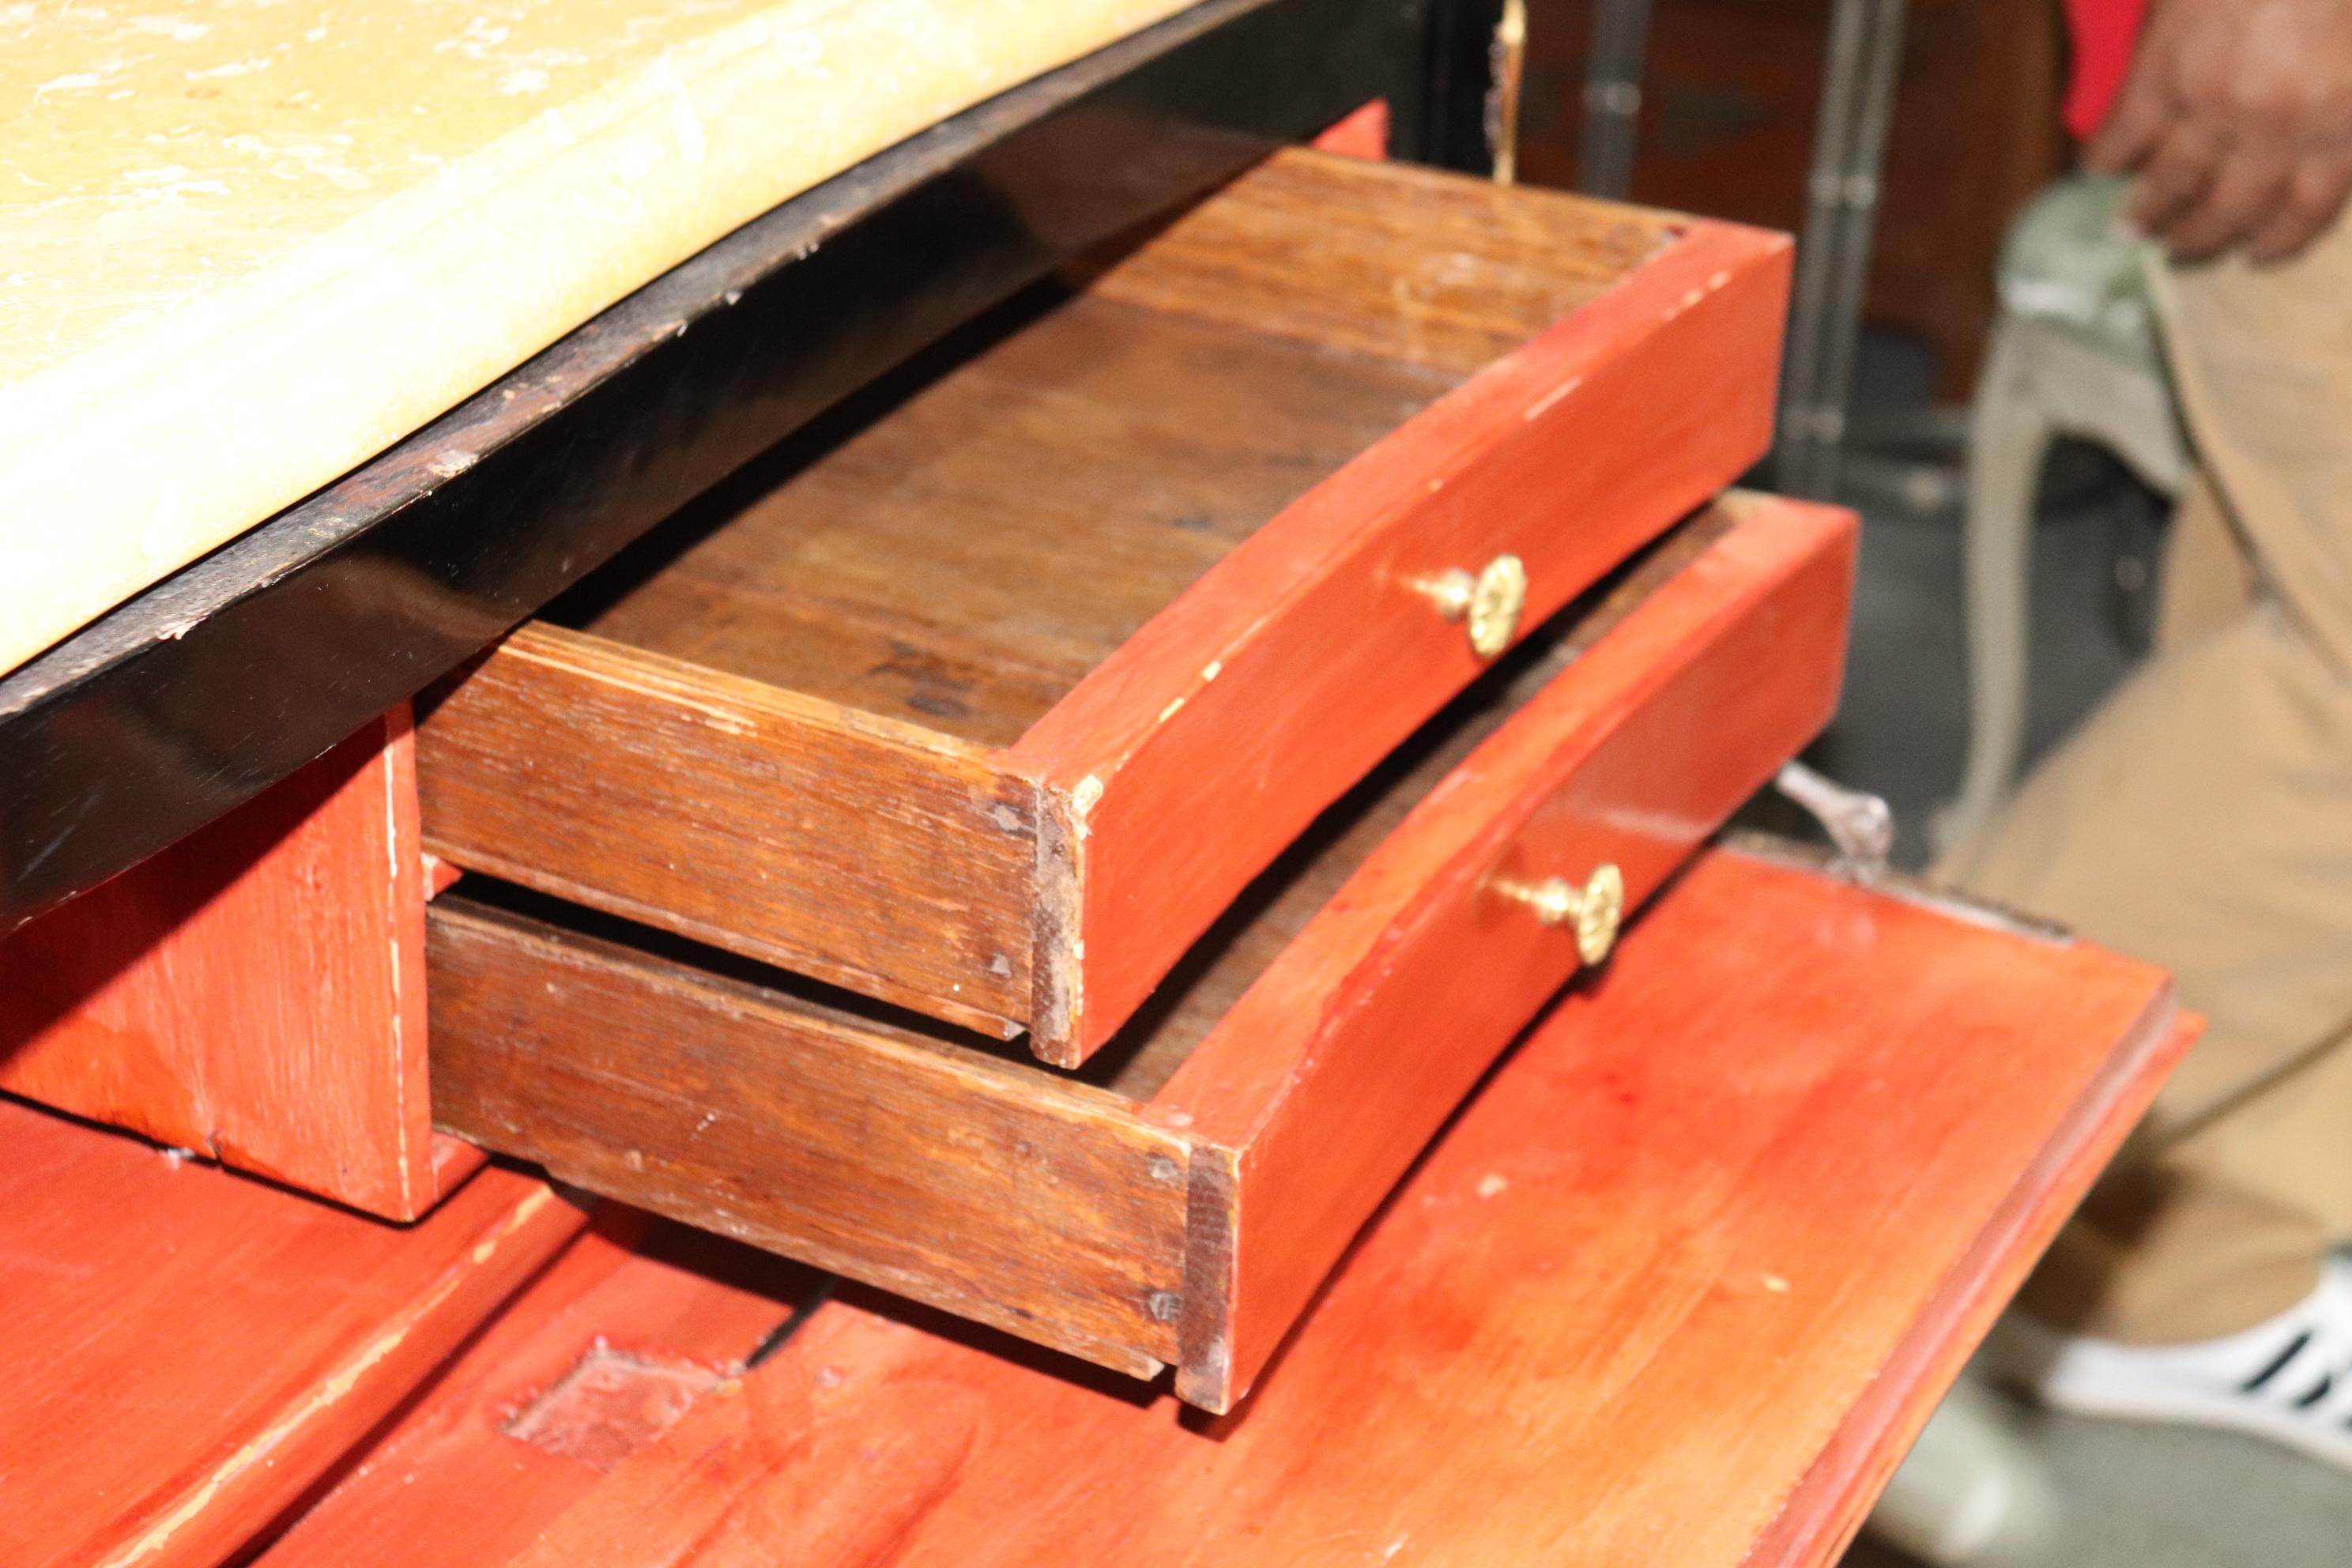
(255, 993)
(188, 1349)
(1677, 1287)
(1306, 653)
(1363, 134)
(1334, 1069)
(619, 1338)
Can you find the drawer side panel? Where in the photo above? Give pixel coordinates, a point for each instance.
(981, 1188)
(866, 853)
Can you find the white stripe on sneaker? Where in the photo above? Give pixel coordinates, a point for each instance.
(2288, 1380)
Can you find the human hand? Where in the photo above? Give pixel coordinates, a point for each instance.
(2237, 118)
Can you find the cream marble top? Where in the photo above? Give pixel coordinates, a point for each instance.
(245, 244)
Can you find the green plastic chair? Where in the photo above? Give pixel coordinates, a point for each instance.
(2075, 351)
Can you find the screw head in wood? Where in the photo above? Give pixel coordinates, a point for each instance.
(1496, 601)
(1490, 603)
(1594, 911)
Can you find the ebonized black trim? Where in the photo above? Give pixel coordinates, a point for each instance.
(1451, 128)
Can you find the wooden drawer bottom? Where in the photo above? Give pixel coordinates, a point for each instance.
(1178, 1202)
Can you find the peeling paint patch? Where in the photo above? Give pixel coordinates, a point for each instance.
(611, 1404)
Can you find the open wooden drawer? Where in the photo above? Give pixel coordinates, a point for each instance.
(1179, 1201)
(986, 697)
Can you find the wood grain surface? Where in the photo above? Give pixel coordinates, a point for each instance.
(1678, 1286)
(254, 993)
(961, 544)
(592, 1361)
(1398, 263)
(189, 1349)
(987, 1187)
(1254, 1116)
(1155, 542)
(846, 844)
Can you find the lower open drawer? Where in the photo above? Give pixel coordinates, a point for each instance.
(1179, 1201)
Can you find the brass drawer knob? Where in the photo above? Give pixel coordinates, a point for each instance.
(1490, 601)
(1594, 909)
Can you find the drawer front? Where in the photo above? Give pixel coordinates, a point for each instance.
(1319, 1089)
(1188, 1223)
(1193, 754)
(1253, 633)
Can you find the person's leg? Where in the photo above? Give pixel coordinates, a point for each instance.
(2152, 1259)
(2207, 579)
(2203, 819)
(2262, 357)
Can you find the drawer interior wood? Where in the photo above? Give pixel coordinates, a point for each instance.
(1103, 1212)
(961, 545)
(934, 701)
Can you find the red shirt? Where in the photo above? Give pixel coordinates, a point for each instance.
(2104, 32)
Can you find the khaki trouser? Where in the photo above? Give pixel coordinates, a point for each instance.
(2202, 819)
